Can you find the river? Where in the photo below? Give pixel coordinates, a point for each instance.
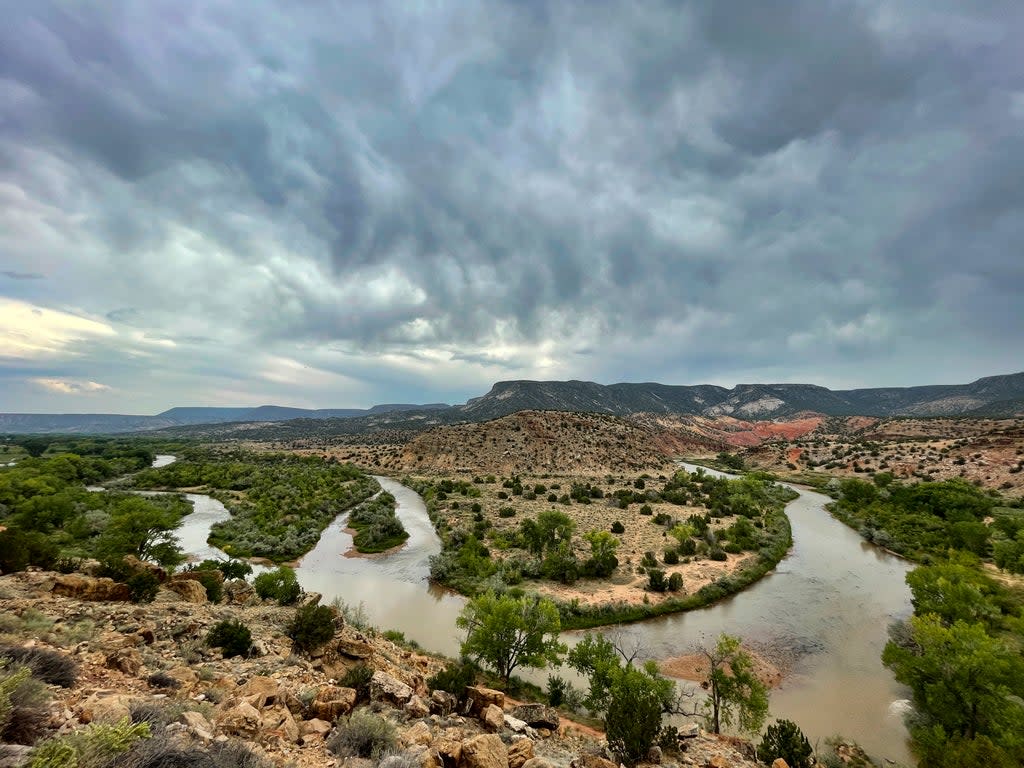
(829, 601)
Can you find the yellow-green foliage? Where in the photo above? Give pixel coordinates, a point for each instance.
(92, 746)
(8, 685)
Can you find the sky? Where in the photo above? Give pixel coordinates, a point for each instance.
(349, 203)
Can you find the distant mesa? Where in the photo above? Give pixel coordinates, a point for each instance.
(990, 397)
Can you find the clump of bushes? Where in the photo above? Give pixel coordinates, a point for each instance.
(49, 666)
(618, 527)
(163, 680)
(20, 549)
(24, 706)
(358, 678)
(454, 678)
(94, 745)
(279, 584)
(312, 626)
(785, 739)
(232, 637)
(363, 734)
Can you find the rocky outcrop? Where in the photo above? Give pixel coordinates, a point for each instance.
(239, 592)
(90, 588)
(478, 697)
(492, 717)
(537, 715)
(484, 751)
(332, 702)
(384, 687)
(189, 590)
(519, 752)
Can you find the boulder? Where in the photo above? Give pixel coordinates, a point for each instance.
(484, 751)
(443, 703)
(515, 724)
(199, 576)
(308, 598)
(417, 707)
(537, 715)
(90, 588)
(127, 660)
(333, 701)
(492, 717)
(188, 590)
(384, 687)
(14, 755)
(104, 707)
(418, 734)
(260, 692)
(537, 762)
(186, 676)
(588, 760)
(654, 755)
(448, 749)
(689, 731)
(478, 697)
(243, 719)
(519, 751)
(239, 592)
(140, 566)
(198, 724)
(354, 649)
(311, 731)
(779, 763)
(278, 721)
(718, 761)
(393, 761)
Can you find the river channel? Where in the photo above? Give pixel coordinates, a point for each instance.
(828, 603)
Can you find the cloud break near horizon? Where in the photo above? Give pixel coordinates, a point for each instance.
(221, 203)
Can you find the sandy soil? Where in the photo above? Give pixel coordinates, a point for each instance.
(695, 667)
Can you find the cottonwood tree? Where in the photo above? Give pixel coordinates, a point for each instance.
(735, 694)
(507, 632)
(632, 696)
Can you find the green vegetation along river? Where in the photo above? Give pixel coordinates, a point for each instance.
(828, 604)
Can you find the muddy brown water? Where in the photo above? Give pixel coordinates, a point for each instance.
(826, 608)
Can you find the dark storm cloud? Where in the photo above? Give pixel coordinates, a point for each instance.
(418, 199)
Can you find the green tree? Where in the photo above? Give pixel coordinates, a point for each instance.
(963, 680)
(556, 527)
(953, 593)
(734, 692)
(602, 553)
(142, 529)
(785, 739)
(633, 698)
(507, 632)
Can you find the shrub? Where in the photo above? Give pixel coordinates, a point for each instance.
(312, 626)
(358, 678)
(24, 706)
(94, 745)
(143, 587)
(232, 637)
(163, 680)
(656, 580)
(646, 510)
(49, 666)
(454, 678)
(557, 687)
(279, 584)
(618, 527)
(364, 734)
(675, 582)
(671, 557)
(785, 739)
(506, 512)
(20, 549)
(232, 569)
(717, 553)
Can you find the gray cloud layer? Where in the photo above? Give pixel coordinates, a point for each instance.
(261, 202)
